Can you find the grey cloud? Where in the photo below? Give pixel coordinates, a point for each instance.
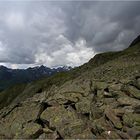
(96, 22)
(49, 33)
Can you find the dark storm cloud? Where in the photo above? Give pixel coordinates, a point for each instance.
(104, 23)
(64, 32)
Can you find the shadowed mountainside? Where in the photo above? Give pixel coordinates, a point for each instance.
(10, 77)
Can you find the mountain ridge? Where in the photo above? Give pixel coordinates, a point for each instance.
(98, 100)
(9, 77)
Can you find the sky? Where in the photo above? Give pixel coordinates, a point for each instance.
(54, 33)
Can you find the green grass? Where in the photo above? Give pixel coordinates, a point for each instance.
(7, 96)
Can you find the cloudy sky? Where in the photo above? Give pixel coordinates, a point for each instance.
(56, 33)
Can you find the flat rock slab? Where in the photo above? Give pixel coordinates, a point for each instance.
(110, 114)
(13, 122)
(58, 116)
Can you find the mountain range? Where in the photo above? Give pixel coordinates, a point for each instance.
(9, 77)
(98, 100)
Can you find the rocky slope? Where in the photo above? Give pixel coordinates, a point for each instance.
(99, 100)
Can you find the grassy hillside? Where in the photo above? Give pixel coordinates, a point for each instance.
(7, 96)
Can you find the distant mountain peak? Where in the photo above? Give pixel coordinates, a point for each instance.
(15, 76)
(62, 66)
(42, 66)
(1, 66)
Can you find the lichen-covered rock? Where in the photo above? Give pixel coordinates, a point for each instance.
(123, 135)
(84, 105)
(138, 82)
(6, 110)
(136, 109)
(38, 98)
(54, 135)
(72, 96)
(133, 133)
(65, 120)
(82, 86)
(132, 91)
(115, 87)
(131, 119)
(73, 128)
(110, 135)
(30, 130)
(13, 122)
(128, 101)
(110, 114)
(100, 125)
(109, 100)
(101, 85)
(85, 134)
(59, 116)
(96, 112)
(62, 98)
(119, 112)
(110, 94)
(135, 82)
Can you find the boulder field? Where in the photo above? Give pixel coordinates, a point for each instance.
(100, 110)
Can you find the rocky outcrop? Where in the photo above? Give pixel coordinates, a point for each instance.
(100, 111)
